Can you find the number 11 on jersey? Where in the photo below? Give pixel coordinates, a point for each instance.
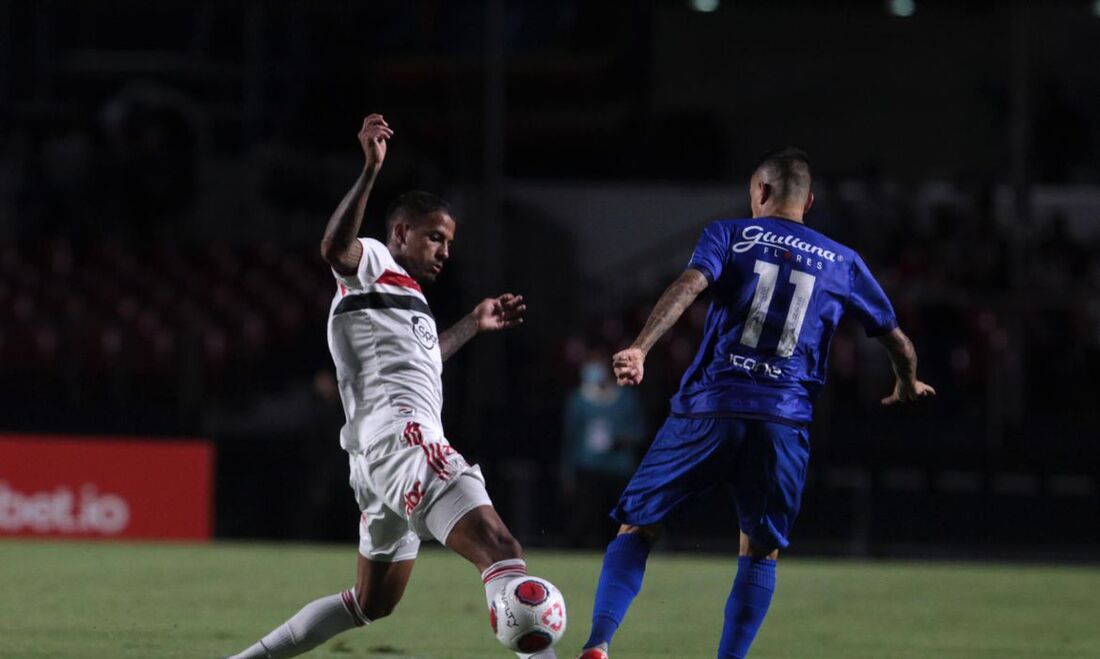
(762, 299)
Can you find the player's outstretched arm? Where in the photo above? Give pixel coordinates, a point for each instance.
(629, 364)
(903, 356)
(491, 314)
(340, 246)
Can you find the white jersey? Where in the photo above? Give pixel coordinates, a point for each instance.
(384, 343)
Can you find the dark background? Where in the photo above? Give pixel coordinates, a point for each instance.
(167, 168)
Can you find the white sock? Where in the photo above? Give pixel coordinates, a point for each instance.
(496, 575)
(317, 622)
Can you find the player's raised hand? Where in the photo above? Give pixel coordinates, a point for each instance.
(908, 392)
(629, 366)
(497, 313)
(372, 137)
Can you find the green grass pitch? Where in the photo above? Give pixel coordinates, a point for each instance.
(147, 601)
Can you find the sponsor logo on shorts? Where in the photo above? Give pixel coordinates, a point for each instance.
(423, 332)
(413, 498)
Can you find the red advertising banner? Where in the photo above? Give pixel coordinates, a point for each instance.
(87, 487)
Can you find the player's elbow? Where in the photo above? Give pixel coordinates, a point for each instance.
(339, 257)
(331, 252)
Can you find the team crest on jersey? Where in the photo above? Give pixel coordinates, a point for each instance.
(423, 332)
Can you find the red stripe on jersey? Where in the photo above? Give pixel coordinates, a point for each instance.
(396, 279)
(413, 437)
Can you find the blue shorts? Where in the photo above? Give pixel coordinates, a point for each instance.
(765, 463)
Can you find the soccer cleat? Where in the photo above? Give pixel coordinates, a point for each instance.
(594, 653)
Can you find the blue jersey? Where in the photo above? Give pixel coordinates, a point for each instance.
(779, 291)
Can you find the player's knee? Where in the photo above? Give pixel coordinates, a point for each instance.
(759, 554)
(374, 605)
(377, 610)
(651, 533)
(757, 551)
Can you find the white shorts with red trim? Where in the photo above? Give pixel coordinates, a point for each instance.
(411, 484)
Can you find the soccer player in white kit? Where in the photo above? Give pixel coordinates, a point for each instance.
(409, 481)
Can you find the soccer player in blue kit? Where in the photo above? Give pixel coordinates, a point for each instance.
(741, 414)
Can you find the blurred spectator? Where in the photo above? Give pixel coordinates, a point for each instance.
(603, 427)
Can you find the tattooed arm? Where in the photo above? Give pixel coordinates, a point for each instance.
(629, 364)
(903, 357)
(340, 246)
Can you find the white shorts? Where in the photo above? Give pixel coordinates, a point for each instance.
(410, 485)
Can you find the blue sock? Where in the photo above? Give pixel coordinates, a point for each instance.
(620, 582)
(746, 606)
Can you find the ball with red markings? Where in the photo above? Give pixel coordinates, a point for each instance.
(528, 615)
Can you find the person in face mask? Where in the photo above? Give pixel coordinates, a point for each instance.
(602, 428)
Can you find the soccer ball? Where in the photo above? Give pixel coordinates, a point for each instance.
(528, 615)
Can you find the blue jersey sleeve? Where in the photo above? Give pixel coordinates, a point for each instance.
(710, 252)
(869, 302)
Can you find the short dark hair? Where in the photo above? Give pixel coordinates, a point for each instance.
(414, 204)
(787, 170)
